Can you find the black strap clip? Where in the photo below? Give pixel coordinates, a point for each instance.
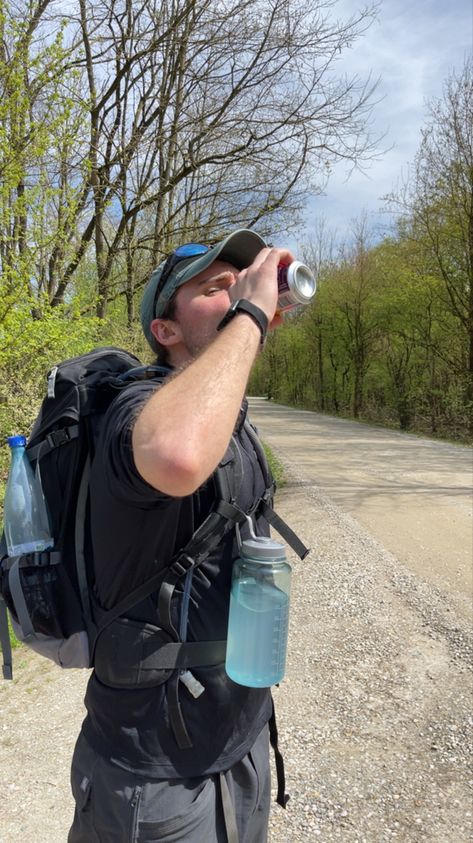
(58, 437)
(182, 565)
(269, 493)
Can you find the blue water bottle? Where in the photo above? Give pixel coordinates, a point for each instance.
(259, 614)
(26, 522)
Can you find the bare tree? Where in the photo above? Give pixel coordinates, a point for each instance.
(200, 115)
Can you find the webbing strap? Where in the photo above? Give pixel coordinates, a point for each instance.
(18, 598)
(203, 541)
(228, 477)
(164, 606)
(263, 507)
(186, 654)
(194, 553)
(4, 631)
(5, 641)
(284, 530)
(79, 537)
(37, 559)
(175, 713)
(260, 454)
(228, 811)
(53, 440)
(282, 798)
(231, 512)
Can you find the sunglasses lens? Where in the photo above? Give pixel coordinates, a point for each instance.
(190, 250)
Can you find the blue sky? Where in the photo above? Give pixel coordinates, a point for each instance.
(412, 47)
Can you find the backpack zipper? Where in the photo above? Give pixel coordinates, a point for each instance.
(135, 805)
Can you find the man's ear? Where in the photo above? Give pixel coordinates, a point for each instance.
(166, 332)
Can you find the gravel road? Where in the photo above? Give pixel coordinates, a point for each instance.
(375, 714)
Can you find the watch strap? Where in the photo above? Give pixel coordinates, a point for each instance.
(245, 306)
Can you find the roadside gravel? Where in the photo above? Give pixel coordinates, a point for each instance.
(375, 714)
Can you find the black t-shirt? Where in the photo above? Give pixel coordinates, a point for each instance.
(135, 530)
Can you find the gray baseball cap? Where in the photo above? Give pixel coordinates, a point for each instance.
(239, 248)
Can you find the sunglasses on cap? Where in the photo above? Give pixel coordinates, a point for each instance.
(188, 250)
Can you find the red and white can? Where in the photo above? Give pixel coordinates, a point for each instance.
(296, 285)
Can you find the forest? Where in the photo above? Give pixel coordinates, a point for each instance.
(389, 335)
(126, 129)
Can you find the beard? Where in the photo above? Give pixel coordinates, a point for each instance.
(197, 341)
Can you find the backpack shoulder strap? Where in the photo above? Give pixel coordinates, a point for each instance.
(264, 506)
(252, 434)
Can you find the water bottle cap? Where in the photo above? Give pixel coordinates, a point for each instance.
(16, 441)
(263, 549)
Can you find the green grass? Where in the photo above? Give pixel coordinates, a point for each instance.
(13, 639)
(275, 465)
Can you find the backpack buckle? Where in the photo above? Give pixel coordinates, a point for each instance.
(40, 558)
(268, 493)
(182, 565)
(58, 437)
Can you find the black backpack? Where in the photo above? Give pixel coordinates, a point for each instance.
(49, 595)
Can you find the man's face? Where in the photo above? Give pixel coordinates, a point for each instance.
(202, 303)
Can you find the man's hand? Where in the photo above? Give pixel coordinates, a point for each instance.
(259, 282)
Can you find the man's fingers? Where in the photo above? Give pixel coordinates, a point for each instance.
(258, 282)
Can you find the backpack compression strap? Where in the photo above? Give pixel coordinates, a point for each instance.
(4, 632)
(5, 641)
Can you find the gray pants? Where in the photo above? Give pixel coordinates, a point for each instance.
(115, 806)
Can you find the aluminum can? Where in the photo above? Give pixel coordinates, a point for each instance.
(296, 285)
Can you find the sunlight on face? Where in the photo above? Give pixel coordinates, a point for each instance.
(201, 304)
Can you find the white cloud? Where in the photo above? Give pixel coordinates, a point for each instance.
(413, 47)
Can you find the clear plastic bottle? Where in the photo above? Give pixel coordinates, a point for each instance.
(26, 521)
(259, 614)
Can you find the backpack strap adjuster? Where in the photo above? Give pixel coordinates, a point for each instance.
(269, 493)
(60, 437)
(51, 441)
(40, 558)
(182, 565)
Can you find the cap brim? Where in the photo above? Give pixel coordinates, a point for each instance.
(239, 249)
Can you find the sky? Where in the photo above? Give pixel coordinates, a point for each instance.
(412, 47)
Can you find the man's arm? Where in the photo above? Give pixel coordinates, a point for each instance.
(183, 431)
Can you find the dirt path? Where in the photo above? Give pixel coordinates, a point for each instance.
(375, 714)
(414, 495)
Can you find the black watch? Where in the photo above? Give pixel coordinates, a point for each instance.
(244, 306)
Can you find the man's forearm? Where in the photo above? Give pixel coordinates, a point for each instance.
(183, 431)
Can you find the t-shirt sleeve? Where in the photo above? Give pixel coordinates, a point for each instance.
(115, 452)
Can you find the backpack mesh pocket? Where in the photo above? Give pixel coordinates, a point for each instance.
(51, 602)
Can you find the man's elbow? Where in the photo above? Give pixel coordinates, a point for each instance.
(176, 474)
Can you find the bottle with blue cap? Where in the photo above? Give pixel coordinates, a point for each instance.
(259, 613)
(26, 522)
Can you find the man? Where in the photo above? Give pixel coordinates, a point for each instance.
(183, 757)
